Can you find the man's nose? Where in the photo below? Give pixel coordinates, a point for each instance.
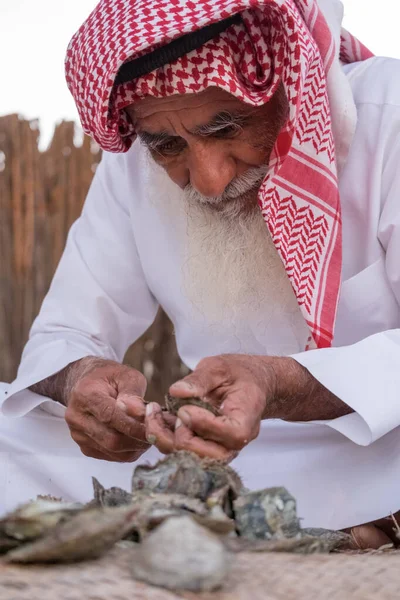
(211, 169)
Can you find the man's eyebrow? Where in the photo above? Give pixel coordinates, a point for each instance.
(221, 121)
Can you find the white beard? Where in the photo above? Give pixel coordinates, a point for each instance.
(231, 268)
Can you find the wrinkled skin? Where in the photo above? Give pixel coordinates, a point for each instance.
(247, 389)
(105, 411)
(209, 162)
(228, 383)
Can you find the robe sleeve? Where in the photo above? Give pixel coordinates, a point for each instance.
(98, 302)
(366, 375)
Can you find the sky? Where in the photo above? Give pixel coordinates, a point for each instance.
(34, 35)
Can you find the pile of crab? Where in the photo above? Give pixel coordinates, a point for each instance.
(184, 520)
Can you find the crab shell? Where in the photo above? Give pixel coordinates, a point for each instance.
(182, 555)
(185, 473)
(266, 514)
(34, 519)
(173, 404)
(88, 535)
(113, 496)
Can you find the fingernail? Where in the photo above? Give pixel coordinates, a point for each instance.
(178, 423)
(149, 409)
(121, 405)
(185, 417)
(151, 439)
(183, 385)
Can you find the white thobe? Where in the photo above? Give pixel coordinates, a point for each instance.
(122, 260)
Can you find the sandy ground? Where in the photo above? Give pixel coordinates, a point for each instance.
(252, 577)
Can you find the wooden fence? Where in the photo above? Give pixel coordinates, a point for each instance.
(41, 195)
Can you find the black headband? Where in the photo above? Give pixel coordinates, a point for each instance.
(166, 54)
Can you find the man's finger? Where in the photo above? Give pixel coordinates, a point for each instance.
(210, 374)
(114, 414)
(91, 449)
(170, 420)
(233, 430)
(111, 440)
(158, 431)
(131, 390)
(134, 406)
(185, 439)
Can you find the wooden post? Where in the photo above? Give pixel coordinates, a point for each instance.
(41, 195)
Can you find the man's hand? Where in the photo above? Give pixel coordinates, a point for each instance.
(247, 389)
(105, 407)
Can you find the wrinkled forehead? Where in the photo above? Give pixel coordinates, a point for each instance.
(186, 106)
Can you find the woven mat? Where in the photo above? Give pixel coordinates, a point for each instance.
(253, 577)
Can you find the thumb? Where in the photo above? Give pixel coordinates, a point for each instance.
(131, 390)
(205, 379)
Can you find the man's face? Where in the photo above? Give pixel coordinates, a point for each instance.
(211, 144)
(217, 150)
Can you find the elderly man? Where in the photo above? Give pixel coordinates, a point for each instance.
(251, 189)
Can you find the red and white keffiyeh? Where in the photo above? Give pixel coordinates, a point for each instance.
(287, 40)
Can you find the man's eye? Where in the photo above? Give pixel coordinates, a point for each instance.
(229, 131)
(170, 148)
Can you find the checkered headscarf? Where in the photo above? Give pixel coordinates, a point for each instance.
(272, 41)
